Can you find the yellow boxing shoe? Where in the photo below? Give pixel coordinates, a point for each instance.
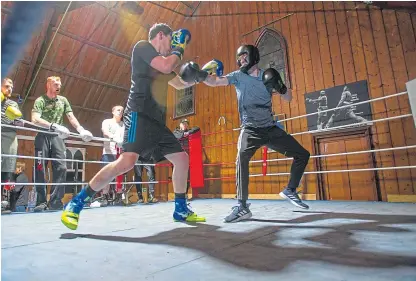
(70, 215)
(195, 218)
(70, 220)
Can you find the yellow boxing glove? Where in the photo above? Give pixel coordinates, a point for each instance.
(214, 67)
(13, 113)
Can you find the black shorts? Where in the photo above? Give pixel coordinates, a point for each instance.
(148, 137)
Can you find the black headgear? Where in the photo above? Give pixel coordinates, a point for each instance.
(253, 56)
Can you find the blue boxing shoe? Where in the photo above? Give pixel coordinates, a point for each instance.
(70, 215)
(184, 214)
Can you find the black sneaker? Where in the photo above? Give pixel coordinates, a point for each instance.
(293, 198)
(239, 213)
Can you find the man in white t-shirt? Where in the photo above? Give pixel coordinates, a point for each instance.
(111, 128)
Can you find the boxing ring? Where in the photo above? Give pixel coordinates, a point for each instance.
(333, 240)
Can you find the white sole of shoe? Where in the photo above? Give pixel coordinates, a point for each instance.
(281, 194)
(245, 217)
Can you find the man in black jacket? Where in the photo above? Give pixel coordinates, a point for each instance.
(20, 194)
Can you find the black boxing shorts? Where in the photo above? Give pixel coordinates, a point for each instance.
(148, 137)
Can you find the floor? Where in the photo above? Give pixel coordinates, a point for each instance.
(331, 241)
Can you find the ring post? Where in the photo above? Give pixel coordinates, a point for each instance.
(264, 160)
(411, 92)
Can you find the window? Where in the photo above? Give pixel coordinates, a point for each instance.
(273, 53)
(75, 170)
(184, 102)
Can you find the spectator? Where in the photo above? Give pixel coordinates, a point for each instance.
(20, 194)
(138, 171)
(9, 113)
(48, 111)
(111, 128)
(182, 134)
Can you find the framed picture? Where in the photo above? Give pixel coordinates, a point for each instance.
(184, 102)
(334, 97)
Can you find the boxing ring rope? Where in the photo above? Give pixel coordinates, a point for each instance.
(320, 112)
(354, 124)
(263, 161)
(45, 130)
(73, 160)
(329, 129)
(344, 106)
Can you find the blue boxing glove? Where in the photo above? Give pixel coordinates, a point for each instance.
(180, 38)
(214, 67)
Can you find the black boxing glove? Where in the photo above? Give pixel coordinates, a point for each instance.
(273, 82)
(190, 72)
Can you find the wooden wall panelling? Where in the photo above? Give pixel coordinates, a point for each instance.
(215, 98)
(334, 45)
(212, 99)
(378, 109)
(380, 84)
(335, 184)
(264, 19)
(395, 104)
(339, 62)
(256, 183)
(232, 114)
(203, 96)
(362, 184)
(226, 99)
(297, 79)
(409, 58)
(307, 85)
(326, 63)
(221, 99)
(284, 29)
(318, 81)
(273, 184)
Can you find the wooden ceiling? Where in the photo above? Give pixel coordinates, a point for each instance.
(88, 45)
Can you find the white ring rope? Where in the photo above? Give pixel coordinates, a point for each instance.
(339, 171)
(336, 108)
(255, 175)
(68, 160)
(340, 154)
(344, 106)
(78, 183)
(353, 125)
(45, 130)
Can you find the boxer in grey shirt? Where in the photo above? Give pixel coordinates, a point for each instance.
(254, 88)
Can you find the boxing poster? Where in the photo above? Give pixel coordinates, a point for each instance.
(332, 98)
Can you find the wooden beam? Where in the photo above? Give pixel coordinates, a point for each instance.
(184, 3)
(95, 45)
(169, 9)
(194, 10)
(102, 83)
(61, 6)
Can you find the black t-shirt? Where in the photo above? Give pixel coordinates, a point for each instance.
(149, 87)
